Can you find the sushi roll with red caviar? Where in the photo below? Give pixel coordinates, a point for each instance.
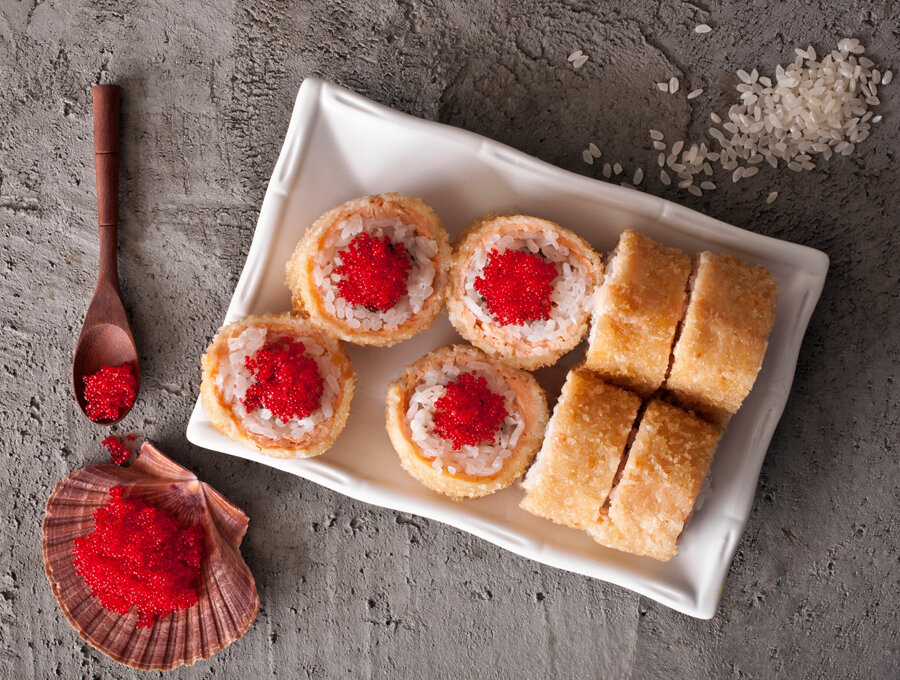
(521, 288)
(278, 385)
(464, 424)
(371, 271)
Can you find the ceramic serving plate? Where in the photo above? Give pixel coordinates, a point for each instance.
(340, 146)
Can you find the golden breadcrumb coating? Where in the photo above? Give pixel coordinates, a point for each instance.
(636, 313)
(493, 338)
(530, 400)
(584, 443)
(306, 296)
(660, 482)
(225, 421)
(724, 335)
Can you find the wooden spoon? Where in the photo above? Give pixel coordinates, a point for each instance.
(105, 338)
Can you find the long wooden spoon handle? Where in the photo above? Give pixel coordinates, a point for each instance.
(106, 152)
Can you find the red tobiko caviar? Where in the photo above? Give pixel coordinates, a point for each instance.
(468, 413)
(137, 556)
(516, 286)
(118, 452)
(373, 272)
(287, 382)
(109, 391)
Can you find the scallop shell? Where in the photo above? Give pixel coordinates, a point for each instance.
(228, 601)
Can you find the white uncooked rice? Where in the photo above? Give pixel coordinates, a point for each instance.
(693, 94)
(419, 282)
(771, 197)
(595, 150)
(476, 461)
(587, 156)
(702, 28)
(570, 299)
(233, 380)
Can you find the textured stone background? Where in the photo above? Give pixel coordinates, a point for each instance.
(349, 590)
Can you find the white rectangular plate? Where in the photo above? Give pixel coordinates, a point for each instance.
(340, 146)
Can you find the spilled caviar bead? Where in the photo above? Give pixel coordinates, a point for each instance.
(286, 381)
(516, 286)
(373, 272)
(468, 413)
(137, 556)
(118, 452)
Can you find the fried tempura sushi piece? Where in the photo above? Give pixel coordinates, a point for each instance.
(724, 335)
(463, 423)
(520, 288)
(583, 446)
(636, 313)
(278, 385)
(371, 271)
(659, 484)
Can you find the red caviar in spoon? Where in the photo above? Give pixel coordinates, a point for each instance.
(373, 272)
(516, 286)
(468, 413)
(137, 556)
(109, 391)
(287, 381)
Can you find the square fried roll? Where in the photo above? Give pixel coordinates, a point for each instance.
(581, 452)
(724, 335)
(660, 482)
(636, 313)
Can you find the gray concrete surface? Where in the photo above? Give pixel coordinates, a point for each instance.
(349, 590)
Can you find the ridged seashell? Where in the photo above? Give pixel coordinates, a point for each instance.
(228, 601)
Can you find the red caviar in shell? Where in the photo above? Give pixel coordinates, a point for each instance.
(118, 452)
(373, 272)
(516, 286)
(109, 391)
(137, 556)
(468, 413)
(287, 382)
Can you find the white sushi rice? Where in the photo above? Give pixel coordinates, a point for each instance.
(482, 460)
(419, 283)
(570, 298)
(233, 381)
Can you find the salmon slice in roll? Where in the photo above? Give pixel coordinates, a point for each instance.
(636, 313)
(371, 271)
(278, 385)
(723, 340)
(521, 287)
(659, 483)
(584, 443)
(465, 424)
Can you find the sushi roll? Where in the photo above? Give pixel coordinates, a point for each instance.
(583, 446)
(724, 335)
(371, 271)
(464, 424)
(655, 494)
(521, 287)
(278, 385)
(636, 313)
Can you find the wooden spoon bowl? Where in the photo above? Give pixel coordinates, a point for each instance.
(105, 338)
